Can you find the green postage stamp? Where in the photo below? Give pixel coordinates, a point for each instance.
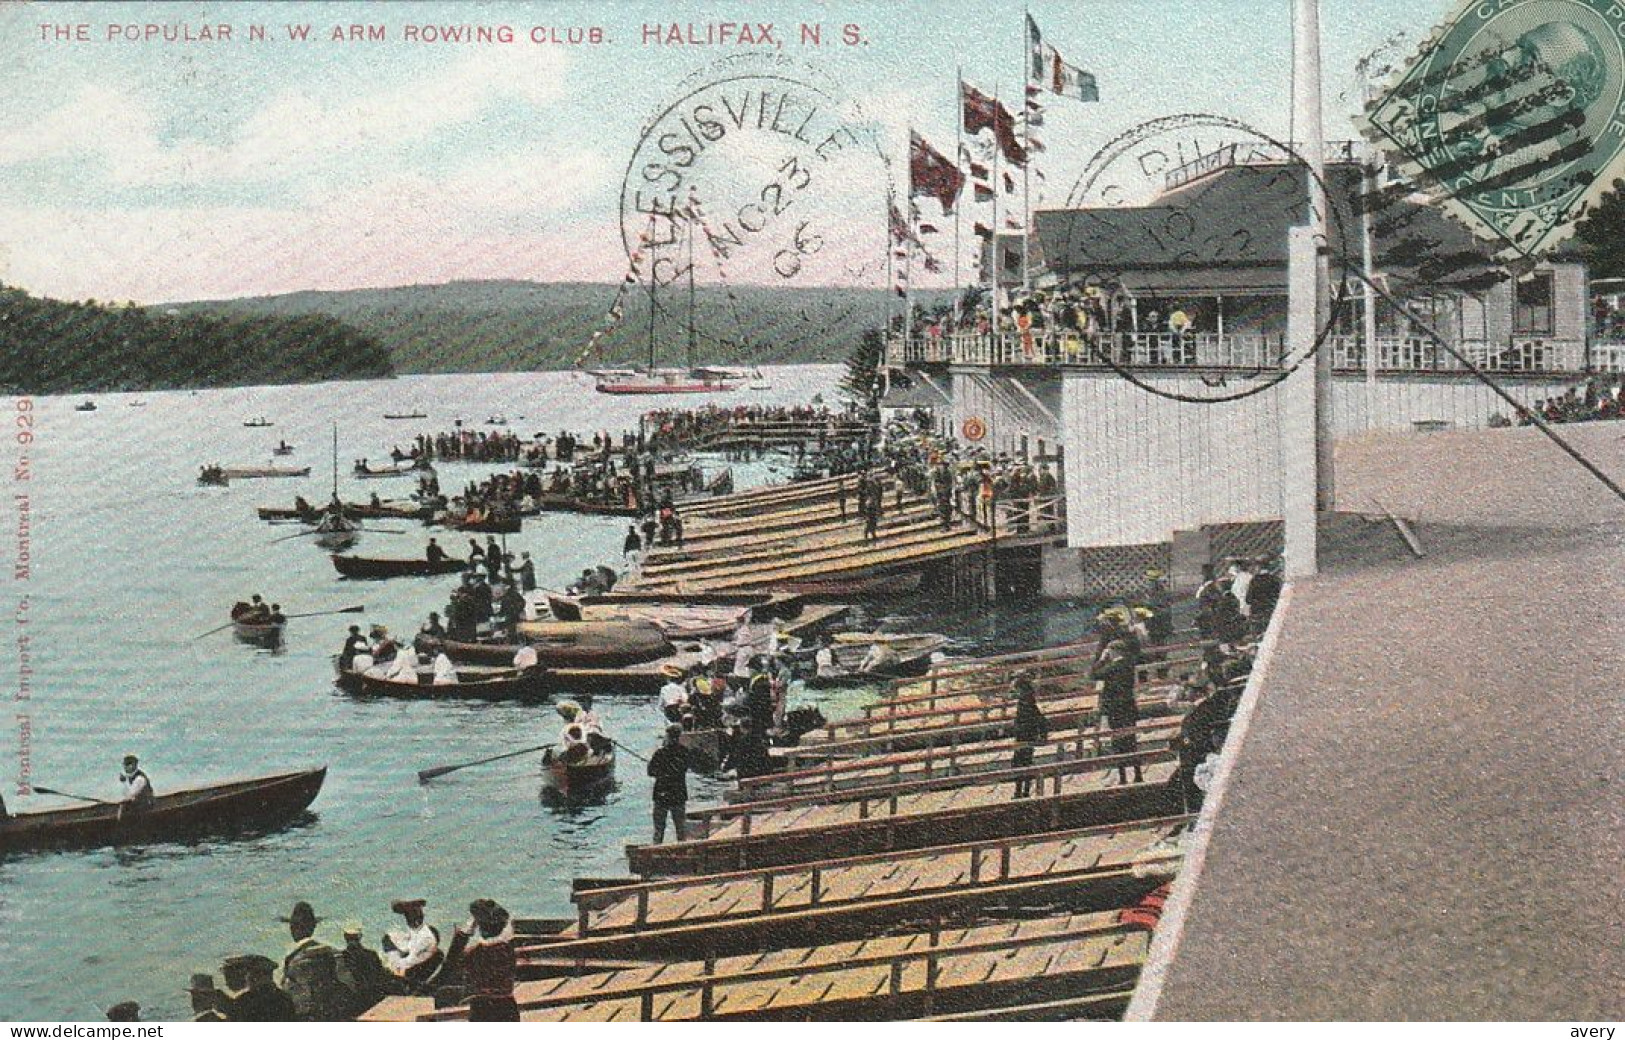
(1511, 115)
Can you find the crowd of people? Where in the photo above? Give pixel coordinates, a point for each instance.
(319, 982)
(671, 430)
(1596, 398)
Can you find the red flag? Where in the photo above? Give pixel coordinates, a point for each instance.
(979, 172)
(984, 113)
(901, 233)
(981, 230)
(930, 173)
(1009, 184)
(984, 193)
(928, 229)
(933, 265)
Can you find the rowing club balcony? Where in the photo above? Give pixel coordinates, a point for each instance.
(1252, 353)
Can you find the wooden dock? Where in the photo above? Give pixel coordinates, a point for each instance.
(905, 975)
(873, 881)
(810, 533)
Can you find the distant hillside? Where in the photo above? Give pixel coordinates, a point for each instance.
(55, 347)
(505, 325)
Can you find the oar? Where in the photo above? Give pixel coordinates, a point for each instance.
(383, 530)
(357, 609)
(425, 775)
(37, 789)
(626, 749)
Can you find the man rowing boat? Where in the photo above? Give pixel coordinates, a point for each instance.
(137, 786)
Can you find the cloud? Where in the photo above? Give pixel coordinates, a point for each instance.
(297, 135)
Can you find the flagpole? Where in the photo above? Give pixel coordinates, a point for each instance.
(891, 270)
(959, 152)
(998, 187)
(1027, 143)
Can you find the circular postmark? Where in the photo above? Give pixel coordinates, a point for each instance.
(1177, 232)
(974, 429)
(760, 173)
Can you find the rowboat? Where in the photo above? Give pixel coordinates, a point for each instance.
(359, 510)
(678, 621)
(374, 568)
(490, 684)
(912, 656)
(337, 531)
(490, 525)
(368, 473)
(264, 472)
(594, 643)
(263, 802)
(88, 406)
(573, 779)
(259, 633)
(255, 424)
(405, 415)
(557, 503)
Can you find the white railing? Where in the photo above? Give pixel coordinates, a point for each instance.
(1248, 351)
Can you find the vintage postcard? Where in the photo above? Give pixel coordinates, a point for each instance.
(812, 511)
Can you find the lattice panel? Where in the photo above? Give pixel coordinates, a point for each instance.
(1119, 570)
(1261, 539)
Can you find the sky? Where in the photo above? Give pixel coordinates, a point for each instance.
(153, 171)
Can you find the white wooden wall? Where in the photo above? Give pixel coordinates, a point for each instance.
(1006, 410)
(1140, 467)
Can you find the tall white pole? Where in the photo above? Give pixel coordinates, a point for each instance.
(1027, 143)
(1311, 145)
(959, 155)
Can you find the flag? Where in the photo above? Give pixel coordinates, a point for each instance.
(984, 193)
(1034, 145)
(979, 172)
(1009, 185)
(1049, 70)
(981, 230)
(932, 174)
(928, 229)
(980, 112)
(901, 233)
(933, 265)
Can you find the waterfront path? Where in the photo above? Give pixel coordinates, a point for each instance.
(1426, 817)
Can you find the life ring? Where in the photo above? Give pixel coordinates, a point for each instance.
(974, 429)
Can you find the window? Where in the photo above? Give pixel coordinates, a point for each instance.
(1532, 306)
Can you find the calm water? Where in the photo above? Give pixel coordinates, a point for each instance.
(132, 561)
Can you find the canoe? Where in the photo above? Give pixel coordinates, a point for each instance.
(372, 567)
(575, 779)
(264, 472)
(594, 643)
(285, 449)
(263, 802)
(503, 684)
(256, 424)
(258, 633)
(405, 415)
(88, 406)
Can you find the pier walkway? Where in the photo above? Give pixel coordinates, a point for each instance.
(1424, 819)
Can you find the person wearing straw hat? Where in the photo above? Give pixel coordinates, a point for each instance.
(206, 998)
(673, 695)
(310, 971)
(362, 972)
(413, 956)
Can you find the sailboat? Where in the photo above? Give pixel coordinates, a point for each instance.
(335, 530)
(652, 380)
